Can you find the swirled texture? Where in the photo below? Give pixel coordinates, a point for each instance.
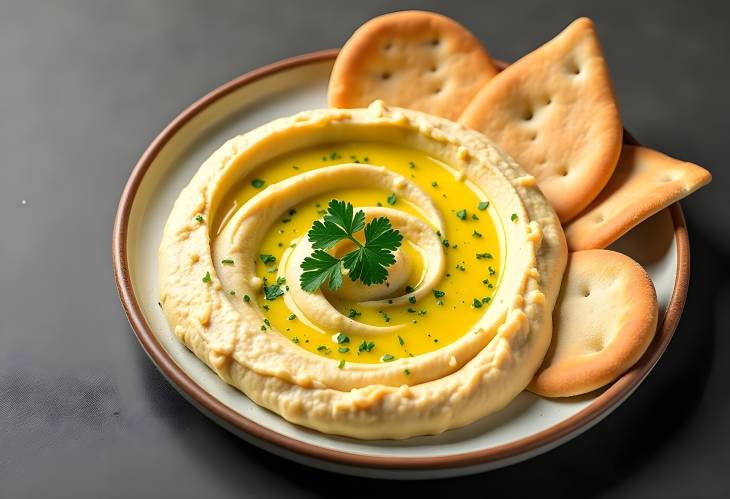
(211, 280)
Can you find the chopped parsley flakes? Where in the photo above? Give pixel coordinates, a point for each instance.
(266, 259)
(366, 346)
(273, 291)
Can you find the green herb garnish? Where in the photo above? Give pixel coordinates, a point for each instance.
(266, 259)
(368, 262)
(246, 298)
(482, 256)
(273, 291)
(438, 294)
(513, 217)
(207, 278)
(387, 358)
(366, 346)
(401, 341)
(483, 205)
(291, 317)
(199, 218)
(476, 234)
(227, 261)
(341, 364)
(461, 214)
(342, 338)
(392, 199)
(257, 183)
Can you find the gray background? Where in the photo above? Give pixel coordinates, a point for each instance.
(85, 86)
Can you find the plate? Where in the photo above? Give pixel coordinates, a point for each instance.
(530, 424)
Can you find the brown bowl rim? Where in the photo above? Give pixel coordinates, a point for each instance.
(553, 435)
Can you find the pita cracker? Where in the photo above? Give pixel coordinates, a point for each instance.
(554, 112)
(413, 59)
(604, 320)
(644, 183)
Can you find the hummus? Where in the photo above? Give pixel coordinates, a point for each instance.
(458, 329)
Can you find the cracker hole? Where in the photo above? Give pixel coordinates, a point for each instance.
(548, 101)
(562, 171)
(435, 42)
(586, 292)
(434, 68)
(597, 343)
(385, 75)
(666, 178)
(527, 116)
(599, 218)
(437, 90)
(533, 137)
(388, 46)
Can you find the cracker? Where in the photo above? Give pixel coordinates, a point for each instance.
(604, 320)
(554, 112)
(413, 59)
(645, 182)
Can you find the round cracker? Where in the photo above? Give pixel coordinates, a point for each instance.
(413, 59)
(644, 183)
(554, 112)
(604, 320)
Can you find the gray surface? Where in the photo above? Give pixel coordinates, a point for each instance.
(85, 86)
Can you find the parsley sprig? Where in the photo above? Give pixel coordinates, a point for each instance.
(368, 262)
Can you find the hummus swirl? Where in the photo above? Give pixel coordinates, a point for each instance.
(477, 374)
